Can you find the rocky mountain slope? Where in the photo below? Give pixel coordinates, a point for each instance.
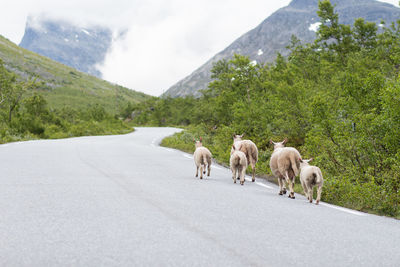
(273, 35)
(62, 85)
(77, 47)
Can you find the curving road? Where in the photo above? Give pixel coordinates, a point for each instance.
(125, 201)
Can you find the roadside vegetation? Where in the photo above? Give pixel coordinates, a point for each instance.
(25, 114)
(336, 100)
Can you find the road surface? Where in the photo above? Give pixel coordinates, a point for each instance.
(125, 201)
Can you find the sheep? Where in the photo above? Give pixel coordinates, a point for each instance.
(202, 157)
(273, 164)
(311, 176)
(238, 164)
(249, 149)
(285, 164)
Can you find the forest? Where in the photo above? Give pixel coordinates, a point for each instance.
(336, 100)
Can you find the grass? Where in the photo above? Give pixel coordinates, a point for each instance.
(62, 85)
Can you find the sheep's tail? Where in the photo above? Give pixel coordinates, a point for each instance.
(295, 162)
(236, 160)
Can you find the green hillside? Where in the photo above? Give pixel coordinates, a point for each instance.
(62, 85)
(42, 99)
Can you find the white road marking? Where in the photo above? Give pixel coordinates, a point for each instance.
(343, 209)
(187, 156)
(264, 185)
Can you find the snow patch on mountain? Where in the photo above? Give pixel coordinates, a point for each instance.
(314, 26)
(85, 31)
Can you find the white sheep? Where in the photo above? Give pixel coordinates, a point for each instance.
(238, 164)
(202, 157)
(311, 176)
(285, 164)
(249, 149)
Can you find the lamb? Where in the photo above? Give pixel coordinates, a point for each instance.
(238, 164)
(311, 176)
(202, 157)
(285, 164)
(249, 149)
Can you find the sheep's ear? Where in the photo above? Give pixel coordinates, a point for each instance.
(301, 160)
(271, 142)
(285, 141)
(242, 135)
(194, 140)
(310, 160)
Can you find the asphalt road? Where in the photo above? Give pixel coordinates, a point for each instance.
(125, 201)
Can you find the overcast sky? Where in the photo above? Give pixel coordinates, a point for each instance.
(166, 39)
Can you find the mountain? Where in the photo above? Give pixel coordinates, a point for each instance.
(273, 35)
(62, 85)
(77, 47)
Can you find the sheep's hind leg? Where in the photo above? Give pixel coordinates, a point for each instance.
(280, 186)
(209, 169)
(197, 171)
(253, 167)
(201, 171)
(242, 175)
(319, 191)
(310, 194)
(290, 182)
(305, 190)
(283, 185)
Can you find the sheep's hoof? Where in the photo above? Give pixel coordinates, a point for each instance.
(201, 177)
(311, 201)
(242, 183)
(291, 196)
(197, 175)
(234, 181)
(280, 193)
(284, 191)
(253, 180)
(316, 203)
(238, 178)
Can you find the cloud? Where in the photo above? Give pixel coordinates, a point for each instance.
(182, 36)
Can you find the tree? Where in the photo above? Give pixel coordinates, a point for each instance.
(365, 33)
(333, 36)
(36, 105)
